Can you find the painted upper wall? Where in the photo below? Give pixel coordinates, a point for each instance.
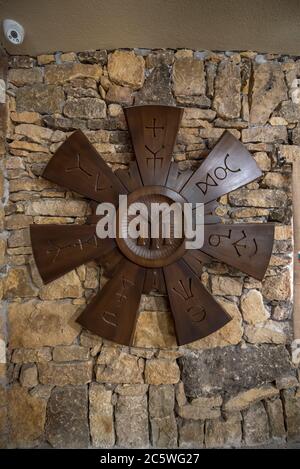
(75, 25)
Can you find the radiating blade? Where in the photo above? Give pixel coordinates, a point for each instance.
(154, 281)
(131, 178)
(196, 313)
(177, 179)
(57, 249)
(112, 313)
(77, 166)
(195, 259)
(209, 213)
(228, 167)
(110, 261)
(248, 247)
(153, 132)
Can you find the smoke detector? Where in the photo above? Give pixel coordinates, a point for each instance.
(13, 31)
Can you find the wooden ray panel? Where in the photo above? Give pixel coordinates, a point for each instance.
(195, 259)
(154, 281)
(57, 249)
(245, 246)
(130, 178)
(196, 313)
(153, 131)
(228, 167)
(77, 166)
(177, 179)
(112, 313)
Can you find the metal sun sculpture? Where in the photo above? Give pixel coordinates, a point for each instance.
(137, 266)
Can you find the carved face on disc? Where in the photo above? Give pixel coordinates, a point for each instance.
(146, 264)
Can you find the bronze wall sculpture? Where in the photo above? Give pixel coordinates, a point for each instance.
(140, 266)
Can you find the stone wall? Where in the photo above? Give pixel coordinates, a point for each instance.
(64, 387)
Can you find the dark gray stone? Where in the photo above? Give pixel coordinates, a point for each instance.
(46, 99)
(255, 425)
(164, 432)
(232, 369)
(67, 419)
(131, 421)
(191, 434)
(275, 414)
(157, 88)
(292, 414)
(93, 57)
(64, 123)
(161, 400)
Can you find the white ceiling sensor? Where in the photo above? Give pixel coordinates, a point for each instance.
(13, 31)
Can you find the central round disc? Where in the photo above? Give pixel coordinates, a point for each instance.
(148, 251)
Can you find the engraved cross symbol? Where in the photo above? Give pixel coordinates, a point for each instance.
(154, 157)
(154, 128)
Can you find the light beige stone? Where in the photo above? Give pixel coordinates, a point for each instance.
(17, 221)
(230, 334)
(36, 324)
(28, 146)
(62, 374)
(68, 57)
(27, 416)
(18, 284)
(21, 76)
(201, 408)
(154, 329)
(45, 59)
(59, 74)
(263, 161)
(59, 208)
(265, 134)
(119, 94)
(26, 117)
(268, 91)
(253, 308)
(29, 184)
(277, 287)
(34, 132)
(283, 232)
(67, 286)
(26, 355)
(116, 366)
(245, 398)
(226, 285)
(28, 376)
(227, 99)
(65, 353)
(277, 181)
(188, 77)
(258, 198)
(289, 152)
(271, 332)
(160, 371)
(126, 68)
(101, 416)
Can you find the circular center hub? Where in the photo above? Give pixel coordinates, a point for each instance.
(148, 250)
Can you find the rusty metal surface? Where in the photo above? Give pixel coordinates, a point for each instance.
(228, 167)
(77, 166)
(195, 312)
(112, 313)
(156, 265)
(153, 131)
